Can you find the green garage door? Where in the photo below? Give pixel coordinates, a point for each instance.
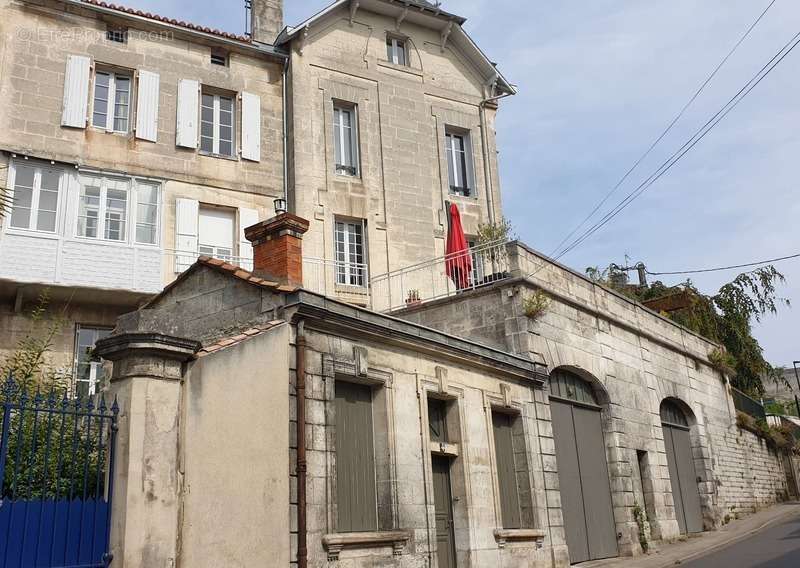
(682, 474)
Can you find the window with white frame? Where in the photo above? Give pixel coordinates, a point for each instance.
(459, 162)
(88, 368)
(103, 208)
(216, 124)
(108, 205)
(396, 50)
(351, 265)
(216, 229)
(36, 197)
(112, 101)
(478, 262)
(345, 139)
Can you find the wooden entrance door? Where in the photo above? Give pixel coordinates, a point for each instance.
(583, 481)
(682, 475)
(443, 504)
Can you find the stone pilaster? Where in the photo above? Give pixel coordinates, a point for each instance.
(146, 379)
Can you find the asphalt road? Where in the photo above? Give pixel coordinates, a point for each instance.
(777, 546)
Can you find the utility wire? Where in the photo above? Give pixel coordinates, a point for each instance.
(678, 154)
(717, 269)
(666, 130)
(699, 135)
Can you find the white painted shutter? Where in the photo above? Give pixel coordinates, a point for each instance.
(76, 91)
(247, 218)
(188, 109)
(251, 127)
(186, 215)
(147, 106)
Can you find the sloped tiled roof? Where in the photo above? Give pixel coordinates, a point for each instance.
(236, 339)
(163, 19)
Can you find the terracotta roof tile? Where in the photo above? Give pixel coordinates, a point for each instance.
(236, 339)
(172, 21)
(243, 274)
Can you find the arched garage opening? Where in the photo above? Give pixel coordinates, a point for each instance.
(675, 423)
(582, 468)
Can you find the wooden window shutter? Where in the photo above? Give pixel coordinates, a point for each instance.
(186, 224)
(247, 217)
(188, 111)
(506, 470)
(356, 497)
(251, 127)
(76, 91)
(147, 106)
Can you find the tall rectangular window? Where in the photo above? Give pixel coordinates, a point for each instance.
(36, 197)
(345, 139)
(502, 424)
(146, 213)
(459, 162)
(216, 230)
(88, 368)
(351, 266)
(396, 50)
(112, 101)
(103, 208)
(217, 124)
(356, 493)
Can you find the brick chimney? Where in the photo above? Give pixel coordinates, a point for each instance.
(266, 20)
(278, 248)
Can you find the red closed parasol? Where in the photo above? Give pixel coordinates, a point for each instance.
(458, 261)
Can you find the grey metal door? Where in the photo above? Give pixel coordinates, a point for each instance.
(683, 476)
(583, 481)
(443, 505)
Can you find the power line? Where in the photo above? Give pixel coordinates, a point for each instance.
(699, 135)
(678, 154)
(719, 268)
(666, 130)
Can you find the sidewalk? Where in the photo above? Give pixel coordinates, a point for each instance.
(703, 543)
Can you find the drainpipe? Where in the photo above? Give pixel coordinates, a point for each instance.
(300, 396)
(286, 133)
(485, 142)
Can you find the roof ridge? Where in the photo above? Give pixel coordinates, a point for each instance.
(166, 20)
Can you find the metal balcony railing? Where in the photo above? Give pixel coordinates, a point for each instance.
(429, 280)
(330, 276)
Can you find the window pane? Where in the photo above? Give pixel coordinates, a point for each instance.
(116, 210)
(225, 133)
(389, 49)
(400, 52)
(146, 213)
(451, 178)
(122, 103)
(23, 197)
(100, 109)
(337, 136)
(225, 148)
(89, 207)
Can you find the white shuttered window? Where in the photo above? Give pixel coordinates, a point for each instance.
(345, 139)
(216, 125)
(112, 101)
(251, 127)
(188, 101)
(36, 198)
(147, 106)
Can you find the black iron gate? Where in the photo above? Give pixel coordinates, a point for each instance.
(56, 465)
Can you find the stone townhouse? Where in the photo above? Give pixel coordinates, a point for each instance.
(393, 115)
(131, 144)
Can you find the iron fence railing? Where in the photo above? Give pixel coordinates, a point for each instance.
(440, 277)
(180, 260)
(56, 467)
(748, 405)
(327, 276)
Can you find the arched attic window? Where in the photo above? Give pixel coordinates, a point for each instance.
(570, 386)
(673, 414)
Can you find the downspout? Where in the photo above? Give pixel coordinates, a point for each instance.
(300, 397)
(487, 164)
(286, 131)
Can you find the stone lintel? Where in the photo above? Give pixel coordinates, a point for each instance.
(335, 542)
(502, 536)
(141, 354)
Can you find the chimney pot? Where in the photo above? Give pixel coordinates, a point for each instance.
(278, 248)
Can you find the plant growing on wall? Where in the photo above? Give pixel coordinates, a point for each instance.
(722, 361)
(644, 526)
(535, 304)
(725, 317)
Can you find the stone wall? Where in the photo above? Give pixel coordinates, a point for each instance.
(635, 359)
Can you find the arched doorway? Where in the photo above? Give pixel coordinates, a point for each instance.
(582, 468)
(682, 474)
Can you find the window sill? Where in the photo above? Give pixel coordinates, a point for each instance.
(220, 156)
(334, 543)
(35, 233)
(119, 133)
(444, 449)
(503, 536)
(472, 194)
(397, 67)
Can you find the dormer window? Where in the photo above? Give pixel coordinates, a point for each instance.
(117, 35)
(396, 50)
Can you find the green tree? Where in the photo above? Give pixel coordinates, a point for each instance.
(725, 317)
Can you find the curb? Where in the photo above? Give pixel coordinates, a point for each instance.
(792, 512)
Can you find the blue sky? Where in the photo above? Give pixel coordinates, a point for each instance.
(598, 82)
